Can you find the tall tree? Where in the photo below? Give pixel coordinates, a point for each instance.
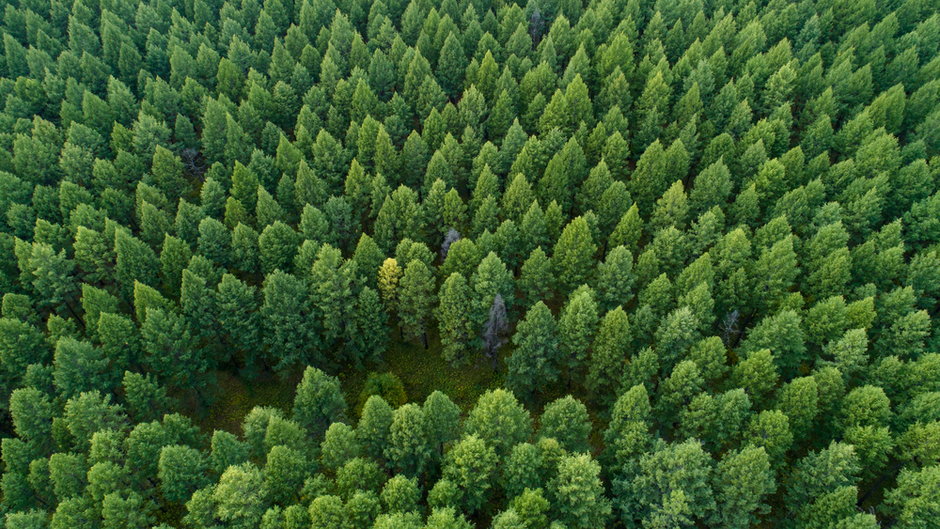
(672, 487)
(409, 449)
(573, 255)
(535, 359)
(499, 420)
(454, 323)
(566, 420)
(609, 355)
(577, 326)
(286, 318)
(742, 479)
(415, 300)
(579, 493)
(471, 465)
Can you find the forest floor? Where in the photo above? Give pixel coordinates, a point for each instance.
(421, 372)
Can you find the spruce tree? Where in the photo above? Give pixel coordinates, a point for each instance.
(415, 300)
(573, 255)
(455, 325)
(535, 360)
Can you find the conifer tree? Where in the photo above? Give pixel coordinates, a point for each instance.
(451, 65)
(409, 449)
(366, 333)
(237, 303)
(499, 420)
(535, 360)
(609, 354)
(577, 325)
(455, 325)
(415, 300)
(615, 278)
(564, 172)
(573, 255)
(579, 492)
(535, 278)
(491, 279)
(566, 420)
(134, 261)
(289, 334)
(319, 402)
(470, 465)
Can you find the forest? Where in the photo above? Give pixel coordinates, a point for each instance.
(457, 264)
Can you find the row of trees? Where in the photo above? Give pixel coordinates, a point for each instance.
(421, 465)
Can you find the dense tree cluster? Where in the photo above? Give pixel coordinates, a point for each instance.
(699, 238)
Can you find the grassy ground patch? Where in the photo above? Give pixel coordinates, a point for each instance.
(421, 371)
(233, 397)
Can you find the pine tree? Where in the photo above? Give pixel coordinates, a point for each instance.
(408, 449)
(470, 465)
(319, 402)
(518, 197)
(331, 286)
(277, 246)
(573, 255)
(712, 187)
(169, 348)
(389, 277)
(615, 278)
(237, 303)
(285, 315)
(367, 334)
(239, 495)
(215, 241)
(451, 65)
(214, 127)
(743, 479)
(535, 278)
(777, 269)
(415, 299)
(134, 261)
(455, 325)
(535, 361)
(566, 420)
(499, 420)
(92, 254)
(146, 399)
(672, 485)
(51, 275)
(609, 354)
(167, 170)
(182, 471)
(579, 492)
(564, 172)
(576, 328)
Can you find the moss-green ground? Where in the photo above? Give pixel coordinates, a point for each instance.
(421, 371)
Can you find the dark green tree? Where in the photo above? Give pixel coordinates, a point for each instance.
(536, 356)
(319, 402)
(415, 300)
(573, 255)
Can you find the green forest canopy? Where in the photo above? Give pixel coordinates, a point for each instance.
(697, 242)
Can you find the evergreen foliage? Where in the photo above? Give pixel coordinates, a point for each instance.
(701, 238)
